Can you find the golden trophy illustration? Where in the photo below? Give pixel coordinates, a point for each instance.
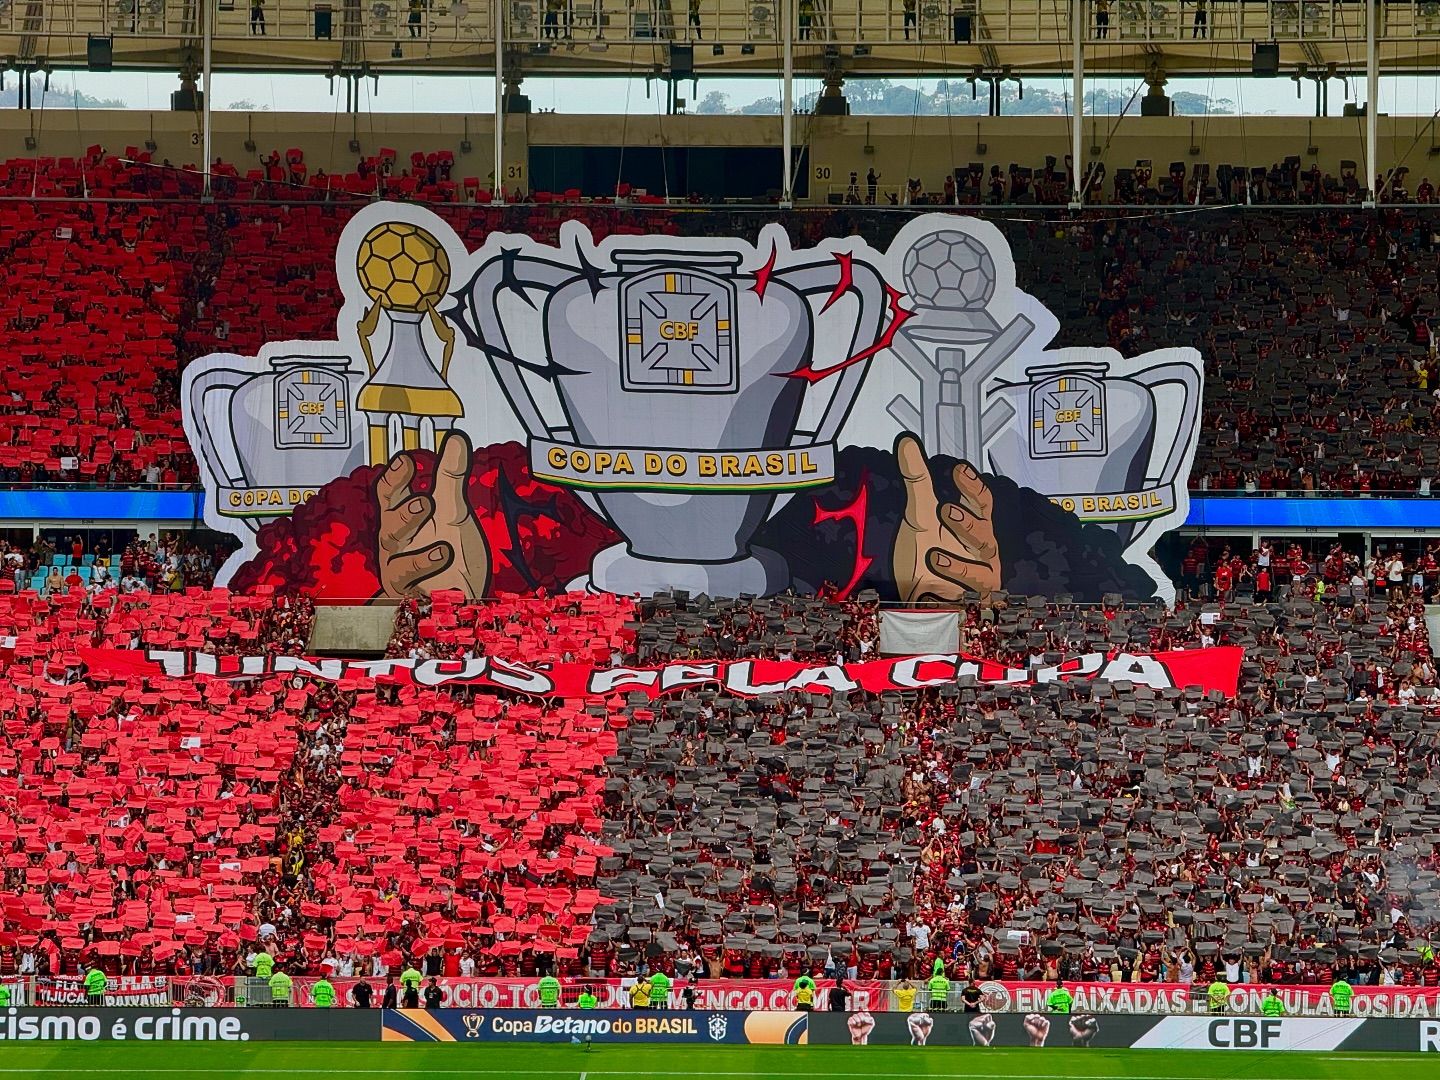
(409, 405)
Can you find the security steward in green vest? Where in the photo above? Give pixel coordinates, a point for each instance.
(95, 987)
(659, 990)
(1340, 994)
(264, 965)
(587, 999)
(4, 997)
(1272, 1005)
(410, 980)
(280, 990)
(1059, 999)
(939, 987)
(323, 994)
(549, 992)
(1218, 995)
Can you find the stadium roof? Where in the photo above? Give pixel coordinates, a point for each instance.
(735, 37)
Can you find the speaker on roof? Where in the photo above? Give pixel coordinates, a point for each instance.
(100, 53)
(682, 61)
(1265, 60)
(187, 99)
(1153, 104)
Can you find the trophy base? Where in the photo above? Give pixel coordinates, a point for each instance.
(615, 570)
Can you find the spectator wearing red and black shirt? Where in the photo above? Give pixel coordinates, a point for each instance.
(1224, 580)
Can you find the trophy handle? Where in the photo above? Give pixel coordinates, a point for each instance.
(204, 384)
(366, 328)
(1189, 378)
(820, 279)
(520, 274)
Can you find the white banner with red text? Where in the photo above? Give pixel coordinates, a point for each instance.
(1215, 669)
(122, 990)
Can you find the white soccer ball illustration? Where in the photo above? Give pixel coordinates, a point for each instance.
(949, 270)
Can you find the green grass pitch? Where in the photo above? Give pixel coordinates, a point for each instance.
(135, 1061)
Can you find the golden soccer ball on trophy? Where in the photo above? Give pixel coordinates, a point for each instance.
(402, 267)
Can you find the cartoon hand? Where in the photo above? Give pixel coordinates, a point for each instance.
(860, 1025)
(943, 552)
(982, 1030)
(430, 542)
(919, 1025)
(1083, 1028)
(1037, 1026)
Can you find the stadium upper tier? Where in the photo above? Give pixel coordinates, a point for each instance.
(729, 36)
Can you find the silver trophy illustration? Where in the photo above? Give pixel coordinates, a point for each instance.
(952, 343)
(667, 385)
(1085, 436)
(1080, 427)
(271, 440)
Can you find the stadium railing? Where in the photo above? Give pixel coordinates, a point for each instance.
(753, 995)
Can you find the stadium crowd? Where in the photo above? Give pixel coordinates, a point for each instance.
(158, 563)
(1081, 829)
(140, 826)
(1084, 829)
(431, 177)
(1221, 568)
(1074, 829)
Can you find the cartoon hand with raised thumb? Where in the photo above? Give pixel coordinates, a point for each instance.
(945, 553)
(430, 541)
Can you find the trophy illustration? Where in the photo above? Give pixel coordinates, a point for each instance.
(667, 386)
(1076, 429)
(270, 440)
(408, 402)
(1085, 436)
(952, 343)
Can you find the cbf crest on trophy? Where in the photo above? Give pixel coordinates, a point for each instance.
(629, 413)
(679, 333)
(1067, 415)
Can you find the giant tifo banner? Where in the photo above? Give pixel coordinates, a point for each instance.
(632, 413)
(1210, 669)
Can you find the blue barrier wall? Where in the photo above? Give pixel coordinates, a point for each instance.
(1210, 512)
(1367, 515)
(83, 505)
